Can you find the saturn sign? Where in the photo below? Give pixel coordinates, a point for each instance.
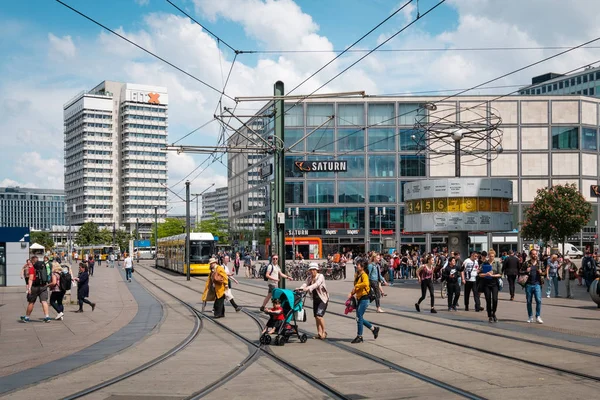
(321, 166)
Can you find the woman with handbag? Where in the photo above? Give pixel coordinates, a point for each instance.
(489, 283)
(361, 292)
(425, 277)
(220, 282)
(569, 271)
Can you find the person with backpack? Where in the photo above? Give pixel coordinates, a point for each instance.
(272, 275)
(83, 288)
(59, 285)
(588, 266)
(375, 279)
(37, 287)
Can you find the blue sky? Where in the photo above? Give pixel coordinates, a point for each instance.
(51, 53)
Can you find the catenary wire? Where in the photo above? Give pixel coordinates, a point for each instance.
(415, 50)
(145, 50)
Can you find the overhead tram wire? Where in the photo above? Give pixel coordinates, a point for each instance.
(473, 88)
(146, 50)
(416, 50)
(194, 131)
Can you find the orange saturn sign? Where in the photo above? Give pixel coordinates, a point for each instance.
(153, 98)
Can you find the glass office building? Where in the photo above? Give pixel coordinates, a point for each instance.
(546, 140)
(38, 209)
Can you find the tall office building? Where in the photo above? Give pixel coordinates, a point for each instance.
(216, 202)
(585, 82)
(115, 170)
(37, 209)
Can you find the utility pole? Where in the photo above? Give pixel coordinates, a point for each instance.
(187, 228)
(293, 212)
(137, 229)
(155, 237)
(380, 212)
(279, 159)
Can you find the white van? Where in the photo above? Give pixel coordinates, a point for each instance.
(570, 250)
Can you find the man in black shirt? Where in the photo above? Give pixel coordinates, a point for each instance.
(451, 274)
(510, 269)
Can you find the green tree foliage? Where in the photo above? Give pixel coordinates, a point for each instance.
(88, 234)
(106, 236)
(122, 239)
(556, 213)
(42, 238)
(216, 226)
(171, 226)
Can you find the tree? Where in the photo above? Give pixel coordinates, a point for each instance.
(122, 239)
(106, 236)
(88, 234)
(216, 226)
(171, 226)
(556, 213)
(42, 238)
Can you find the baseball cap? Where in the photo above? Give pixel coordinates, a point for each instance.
(313, 266)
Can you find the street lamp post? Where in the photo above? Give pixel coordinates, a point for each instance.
(380, 212)
(293, 212)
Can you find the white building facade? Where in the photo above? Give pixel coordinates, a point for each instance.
(216, 202)
(115, 170)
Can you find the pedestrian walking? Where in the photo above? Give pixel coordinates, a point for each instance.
(25, 271)
(315, 284)
(83, 288)
(236, 263)
(588, 268)
(469, 274)
(248, 266)
(451, 275)
(111, 260)
(361, 294)
(56, 292)
(90, 265)
(220, 283)
(489, 282)
(375, 279)
(273, 275)
(510, 269)
(535, 271)
(128, 267)
(99, 259)
(228, 294)
(37, 288)
(569, 272)
(552, 273)
(425, 277)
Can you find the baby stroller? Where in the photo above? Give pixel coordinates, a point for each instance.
(292, 303)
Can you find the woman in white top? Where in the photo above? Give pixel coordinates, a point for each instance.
(315, 284)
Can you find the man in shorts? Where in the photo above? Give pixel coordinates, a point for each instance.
(273, 275)
(36, 290)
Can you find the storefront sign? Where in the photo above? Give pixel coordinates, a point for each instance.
(382, 232)
(324, 232)
(321, 166)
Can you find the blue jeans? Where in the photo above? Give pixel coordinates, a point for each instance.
(552, 281)
(391, 272)
(127, 273)
(360, 311)
(530, 291)
(405, 272)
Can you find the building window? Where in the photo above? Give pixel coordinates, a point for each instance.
(555, 86)
(592, 91)
(409, 113)
(567, 83)
(382, 114)
(589, 139)
(382, 166)
(591, 77)
(351, 114)
(294, 192)
(407, 142)
(572, 81)
(388, 221)
(382, 191)
(585, 79)
(579, 80)
(320, 192)
(318, 114)
(291, 137)
(565, 138)
(290, 169)
(585, 92)
(321, 140)
(382, 139)
(351, 140)
(412, 166)
(560, 85)
(346, 218)
(351, 191)
(294, 115)
(356, 167)
(598, 76)
(543, 89)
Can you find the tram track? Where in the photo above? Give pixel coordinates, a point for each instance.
(343, 347)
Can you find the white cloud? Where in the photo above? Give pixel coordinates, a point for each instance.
(44, 172)
(63, 46)
(11, 183)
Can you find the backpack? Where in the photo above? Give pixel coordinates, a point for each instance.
(588, 267)
(41, 274)
(65, 282)
(263, 271)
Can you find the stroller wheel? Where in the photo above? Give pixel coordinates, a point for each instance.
(261, 340)
(303, 338)
(276, 343)
(282, 340)
(267, 339)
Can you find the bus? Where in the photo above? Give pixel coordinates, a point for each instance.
(97, 250)
(171, 253)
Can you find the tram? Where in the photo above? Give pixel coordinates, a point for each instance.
(101, 251)
(171, 253)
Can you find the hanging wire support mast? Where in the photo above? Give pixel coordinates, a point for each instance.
(216, 149)
(248, 138)
(145, 50)
(361, 94)
(245, 124)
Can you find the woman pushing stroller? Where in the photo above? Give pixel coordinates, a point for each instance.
(315, 284)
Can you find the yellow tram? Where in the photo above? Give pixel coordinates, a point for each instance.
(171, 253)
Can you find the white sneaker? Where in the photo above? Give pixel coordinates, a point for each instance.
(539, 320)
(548, 296)
(530, 320)
(59, 316)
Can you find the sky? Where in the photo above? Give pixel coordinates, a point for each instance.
(50, 53)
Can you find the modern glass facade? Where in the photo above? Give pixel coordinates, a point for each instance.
(547, 140)
(38, 209)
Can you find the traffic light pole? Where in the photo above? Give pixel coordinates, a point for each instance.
(155, 237)
(279, 158)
